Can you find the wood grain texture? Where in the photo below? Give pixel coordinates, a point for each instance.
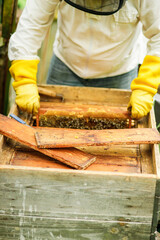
(61, 138)
(75, 205)
(92, 95)
(155, 147)
(108, 163)
(156, 211)
(25, 135)
(31, 228)
(83, 110)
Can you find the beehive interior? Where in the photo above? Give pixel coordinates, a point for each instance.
(129, 159)
(90, 123)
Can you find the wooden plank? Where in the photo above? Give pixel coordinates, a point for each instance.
(125, 164)
(158, 200)
(35, 159)
(112, 163)
(156, 164)
(23, 227)
(57, 137)
(113, 150)
(146, 159)
(92, 95)
(145, 150)
(25, 135)
(90, 189)
(83, 110)
(100, 204)
(155, 147)
(156, 211)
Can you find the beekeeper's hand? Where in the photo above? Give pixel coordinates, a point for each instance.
(25, 85)
(144, 87)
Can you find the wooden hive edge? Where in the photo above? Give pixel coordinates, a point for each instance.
(77, 172)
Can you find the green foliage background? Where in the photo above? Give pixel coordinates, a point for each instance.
(21, 3)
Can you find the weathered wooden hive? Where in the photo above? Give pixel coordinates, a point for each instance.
(116, 197)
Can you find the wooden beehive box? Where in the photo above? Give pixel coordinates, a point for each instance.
(116, 198)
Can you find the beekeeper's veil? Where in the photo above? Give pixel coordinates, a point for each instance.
(98, 7)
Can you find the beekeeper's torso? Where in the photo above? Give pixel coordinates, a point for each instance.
(92, 46)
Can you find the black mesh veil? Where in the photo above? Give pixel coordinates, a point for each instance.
(98, 7)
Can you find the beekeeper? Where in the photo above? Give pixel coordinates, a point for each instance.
(97, 44)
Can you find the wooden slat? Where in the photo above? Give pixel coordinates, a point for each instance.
(83, 110)
(25, 135)
(35, 159)
(92, 95)
(75, 204)
(56, 137)
(109, 163)
(59, 228)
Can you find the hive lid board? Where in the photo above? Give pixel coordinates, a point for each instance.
(63, 138)
(26, 135)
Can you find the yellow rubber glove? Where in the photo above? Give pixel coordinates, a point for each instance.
(24, 73)
(144, 87)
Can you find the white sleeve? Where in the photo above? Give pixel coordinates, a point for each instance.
(37, 16)
(150, 18)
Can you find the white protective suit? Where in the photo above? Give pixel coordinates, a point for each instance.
(91, 46)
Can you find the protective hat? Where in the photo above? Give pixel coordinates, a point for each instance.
(98, 7)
